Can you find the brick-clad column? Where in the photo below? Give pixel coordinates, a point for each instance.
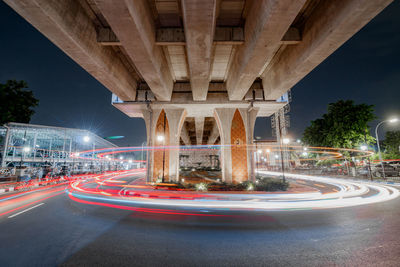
(236, 127)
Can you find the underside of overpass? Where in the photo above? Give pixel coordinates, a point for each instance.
(199, 71)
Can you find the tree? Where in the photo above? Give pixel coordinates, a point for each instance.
(345, 125)
(392, 142)
(16, 104)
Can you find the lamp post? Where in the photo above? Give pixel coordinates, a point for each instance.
(365, 148)
(285, 141)
(142, 158)
(394, 120)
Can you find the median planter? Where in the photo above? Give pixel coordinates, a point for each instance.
(266, 184)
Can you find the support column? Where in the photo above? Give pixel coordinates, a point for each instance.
(163, 158)
(249, 117)
(199, 123)
(185, 136)
(149, 116)
(236, 128)
(176, 117)
(214, 135)
(223, 117)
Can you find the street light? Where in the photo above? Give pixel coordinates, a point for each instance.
(363, 147)
(141, 163)
(86, 139)
(160, 138)
(393, 120)
(27, 149)
(286, 141)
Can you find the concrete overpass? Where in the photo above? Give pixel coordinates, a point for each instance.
(199, 71)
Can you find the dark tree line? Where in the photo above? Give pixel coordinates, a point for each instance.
(345, 125)
(16, 103)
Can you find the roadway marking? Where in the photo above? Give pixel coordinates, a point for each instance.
(36, 201)
(28, 209)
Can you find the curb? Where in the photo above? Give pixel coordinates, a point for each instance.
(5, 190)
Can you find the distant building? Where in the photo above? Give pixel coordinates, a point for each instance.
(38, 145)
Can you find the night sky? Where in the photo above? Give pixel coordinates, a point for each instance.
(366, 69)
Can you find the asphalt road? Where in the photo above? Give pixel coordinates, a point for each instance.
(63, 232)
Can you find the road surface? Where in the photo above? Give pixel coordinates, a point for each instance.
(47, 228)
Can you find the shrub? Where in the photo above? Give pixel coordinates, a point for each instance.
(271, 184)
(201, 187)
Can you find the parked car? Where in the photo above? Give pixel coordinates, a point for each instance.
(363, 171)
(394, 163)
(389, 170)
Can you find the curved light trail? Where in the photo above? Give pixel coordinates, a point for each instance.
(112, 190)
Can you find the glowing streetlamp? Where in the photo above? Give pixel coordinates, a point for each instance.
(86, 139)
(393, 120)
(286, 141)
(363, 147)
(160, 138)
(26, 149)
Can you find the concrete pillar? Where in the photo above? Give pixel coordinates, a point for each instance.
(249, 117)
(236, 128)
(163, 159)
(176, 118)
(223, 117)
(185, 136)
(199, 123)
(149, 116)
(213, 135)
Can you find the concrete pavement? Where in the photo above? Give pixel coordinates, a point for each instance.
(63, 232)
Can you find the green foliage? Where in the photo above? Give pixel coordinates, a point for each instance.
(16, 103)
(271, 184)
(345, 125)
(327, 162)
(385, 156)
(201, 187)
(392, 142)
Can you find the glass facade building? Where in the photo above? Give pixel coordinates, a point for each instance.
(38, 145)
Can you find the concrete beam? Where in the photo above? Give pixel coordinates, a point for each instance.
(79, 43)
(106, 36)
(133, 25)
(199, 124)
(199, 17)
(292, 36)
(199, 108)
(266, 24)
(222, 35)
(330, 25)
